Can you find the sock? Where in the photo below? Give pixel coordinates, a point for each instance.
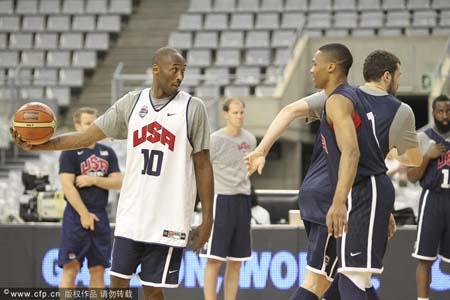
(303, 294)
(372, 294)
(423, 298)
(348, 290)
(333, 291)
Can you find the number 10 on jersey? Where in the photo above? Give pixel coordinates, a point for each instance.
(152, 162)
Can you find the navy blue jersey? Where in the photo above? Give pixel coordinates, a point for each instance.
(371, 162)
(315, 195)
(437, 174)
(99, 161)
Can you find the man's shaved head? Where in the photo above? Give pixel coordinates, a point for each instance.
(166, 54)
(339, 54)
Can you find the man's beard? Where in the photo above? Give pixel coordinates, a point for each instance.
(443, 128)
(390, 88)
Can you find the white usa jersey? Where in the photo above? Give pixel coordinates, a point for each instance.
(158, 190)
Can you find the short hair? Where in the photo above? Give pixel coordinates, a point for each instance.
(163, 54)
(227, 102)
(377, 63)
(83, 110)
(440, 98)
(340, 53)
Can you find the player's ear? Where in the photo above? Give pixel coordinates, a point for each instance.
(387, 76)
(331, 67)
(155, 69)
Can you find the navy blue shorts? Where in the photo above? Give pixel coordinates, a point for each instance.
(433, 230)
(321, 256)
(78, 243)
(160, 264)
(230, 237)
(369, 206)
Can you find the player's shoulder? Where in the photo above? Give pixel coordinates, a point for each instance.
(247, 134)
(219, 133)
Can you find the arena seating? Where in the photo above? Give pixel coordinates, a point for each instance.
(55, 42)
(222, 36)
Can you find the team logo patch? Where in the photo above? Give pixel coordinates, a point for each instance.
(144, 111)
(174, 235)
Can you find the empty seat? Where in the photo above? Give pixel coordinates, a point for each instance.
(272, 74)
(228, 57)
(58, 23)
(283, 38)
(20, 40)
(73, 7)
(216, 22)
(33, 23)
(397, 19)
(441, 4)
(389, 32)
(293, 5)
(7, 7)
(207, 91)
(122, 7)
(332, 32)
(3, 41)
(292, 20)
(32, 58)
(257, 57)
(424, 18)
(217, 75)
(46, 41)
(49, 7)
(84, 59)
(418, 4)
(257, 39)
(363, 32)
(267, 21)
(199, 58)
(180, 40)
(200, 6)
(192, 76)
(345, 20)
(445, 18)
(241, 21)
(23, 77)
(372, 19)
(346, 5)
(26, 7)
(45, 77)
(224, 5)
(248, 5)
(98, 7)
(9, 23)
(32, 93)
(83, 23)
(264, 90)
(441, 31)
(71, 41)
(247, 76)
(108, 23)
(97, 41)
(58, 58)
(394, 5)
(320, 5)
(417, 31)
(271, 5)
(9, 59)
(61, 94)
(368, 5)
(190, 22)
(237, 91)
(312, 32)
(282, 56)
(206, 39)
(71, 77)
(319, 20)
(232, 39)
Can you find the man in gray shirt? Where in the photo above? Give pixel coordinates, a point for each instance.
(167, 157)
(230, 240)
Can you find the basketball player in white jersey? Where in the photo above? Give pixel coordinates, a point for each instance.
(167, 158)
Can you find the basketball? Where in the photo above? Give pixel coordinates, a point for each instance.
(35, 123)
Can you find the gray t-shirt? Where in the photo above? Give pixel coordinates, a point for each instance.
(227, 157)
(425, 141)
(316, 103)
(114, 122)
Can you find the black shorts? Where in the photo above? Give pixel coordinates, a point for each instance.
(321, 256)
(160, 264)
(433, 230)
(230, 237)
(369, 206)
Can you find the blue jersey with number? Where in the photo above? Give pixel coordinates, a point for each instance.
(437, 173)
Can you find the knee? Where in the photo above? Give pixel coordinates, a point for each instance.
(234, 265)
(425, 264)
(153, 292)
(97, 271)
(318, 284)
(71, 269)
(214, 263)
(117, 282)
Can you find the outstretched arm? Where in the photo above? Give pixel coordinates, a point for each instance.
(340, 113)
(68, 141)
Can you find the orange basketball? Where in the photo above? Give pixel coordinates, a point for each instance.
(35, 123)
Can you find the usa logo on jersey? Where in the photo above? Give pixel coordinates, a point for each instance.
(144, 111)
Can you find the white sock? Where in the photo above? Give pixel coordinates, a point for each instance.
(423, 298)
